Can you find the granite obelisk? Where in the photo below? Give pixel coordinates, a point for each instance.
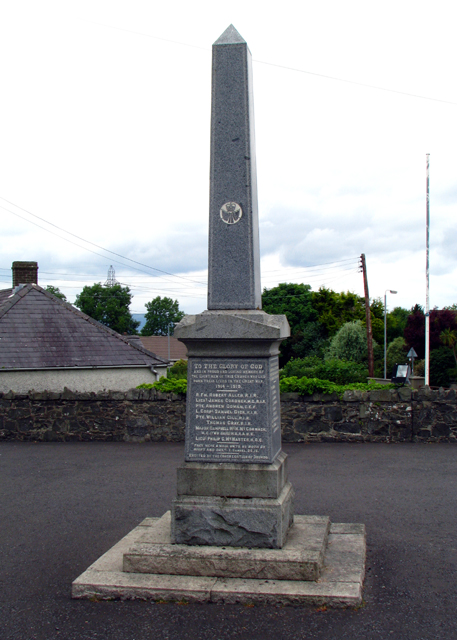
(233, 429)
(234, 262)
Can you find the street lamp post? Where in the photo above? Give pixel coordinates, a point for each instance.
(385, 330)
(170, 324)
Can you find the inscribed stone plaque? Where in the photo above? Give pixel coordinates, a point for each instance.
(233, 412)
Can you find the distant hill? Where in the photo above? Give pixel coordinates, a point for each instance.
(141, 318)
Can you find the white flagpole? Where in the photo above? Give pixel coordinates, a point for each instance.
(427, 276)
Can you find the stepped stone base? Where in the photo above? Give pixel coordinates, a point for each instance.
(233, 505)
(320, 564)
(234, 522)
(233, 480)
(301, 558)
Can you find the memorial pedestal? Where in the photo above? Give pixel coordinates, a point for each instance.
(237, 493)
(320, 564)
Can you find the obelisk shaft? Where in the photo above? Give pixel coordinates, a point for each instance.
(233, 488)
(234, 262)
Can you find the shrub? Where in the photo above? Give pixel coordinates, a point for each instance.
(178, 371)
(349, 343)
(442, 367)
(419, 367)
(339, 371)
(299, 367)
(166, 385)
(308, 386)
(303, 385)
(396, 353)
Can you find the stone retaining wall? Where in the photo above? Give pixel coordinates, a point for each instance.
(141, 415)
(133, 416)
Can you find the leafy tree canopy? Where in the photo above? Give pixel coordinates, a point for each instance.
(396, 353)
(377, 308)
(160, 313)
(338, 371)
(377, 328)
(396, 323)
(56, 292)
(178, 371)
(443, 371)
(440, 320)
(293, 300)
(309, 342)
(449, 338)
(108, 305)
(349, 343)
(335, 309)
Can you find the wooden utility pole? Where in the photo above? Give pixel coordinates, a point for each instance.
(368, 318)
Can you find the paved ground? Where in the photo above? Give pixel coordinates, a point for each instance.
(63, 505)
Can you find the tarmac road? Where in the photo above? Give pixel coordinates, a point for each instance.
(64, 504)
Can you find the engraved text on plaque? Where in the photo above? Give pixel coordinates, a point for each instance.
(233, 410)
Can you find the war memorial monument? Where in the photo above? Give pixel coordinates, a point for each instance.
(231, 534)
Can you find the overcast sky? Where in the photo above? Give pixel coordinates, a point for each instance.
(105, 129)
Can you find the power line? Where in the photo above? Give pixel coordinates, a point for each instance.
(360, 84)
(98, 275)
(281, 66)
(312, 266)
(313, 277)
(317, 275)
(84, 240)
(147, 35)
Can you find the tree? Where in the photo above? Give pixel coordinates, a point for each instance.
(161, 312)
(442, 370)
(309, 342)
(349, 343)
(335, 309)
(178, 371)
(415, 331)
(449, 338)
(295, 301)
(56, 292)
(396, 353)
(440, 319)
(396, 323)
(108, 305)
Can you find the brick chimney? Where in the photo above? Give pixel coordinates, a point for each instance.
(24, 273)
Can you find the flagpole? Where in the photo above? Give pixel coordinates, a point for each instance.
(427, 275)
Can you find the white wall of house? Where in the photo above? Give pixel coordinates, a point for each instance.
(78, 379)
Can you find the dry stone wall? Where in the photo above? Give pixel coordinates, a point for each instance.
(134, 416)
(142, 415)
(377, 416)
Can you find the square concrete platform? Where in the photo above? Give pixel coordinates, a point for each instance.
(320, 564)
(301, 558)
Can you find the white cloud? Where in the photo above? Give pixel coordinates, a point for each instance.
(105, 132)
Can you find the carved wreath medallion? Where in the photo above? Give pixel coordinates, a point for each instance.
(231, 213)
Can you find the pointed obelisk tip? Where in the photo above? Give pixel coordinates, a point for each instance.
(230, 36)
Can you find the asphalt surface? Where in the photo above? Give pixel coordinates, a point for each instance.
(64, 504)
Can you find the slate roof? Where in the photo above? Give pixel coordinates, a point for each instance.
(40, 331)
(159, 345)
(4, 295)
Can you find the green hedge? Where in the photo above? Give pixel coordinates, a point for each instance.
(304, 386)
(167, 385)
(338, 371)
(307, 386)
